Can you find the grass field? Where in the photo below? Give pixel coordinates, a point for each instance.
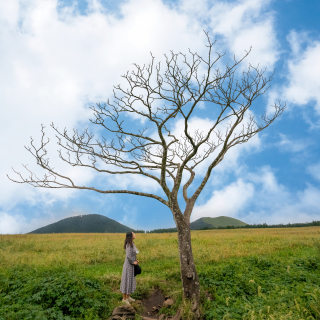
(248, 273)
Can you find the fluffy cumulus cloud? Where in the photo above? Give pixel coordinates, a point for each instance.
(303, 75)
(231, 161)
(239, 25)
(14, 223)
(257, 197)
(56, 62)
(228, 201)
(11, 223)
(242, 28)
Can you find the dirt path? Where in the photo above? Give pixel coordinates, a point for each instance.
(152, 305)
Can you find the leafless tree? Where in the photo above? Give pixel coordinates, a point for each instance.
(161, 96)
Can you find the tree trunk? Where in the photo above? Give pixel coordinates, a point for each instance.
(189, 276)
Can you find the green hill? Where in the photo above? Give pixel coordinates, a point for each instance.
(90, 223)
(216, 223)
(199, 224)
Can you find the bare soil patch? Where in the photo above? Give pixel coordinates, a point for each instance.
(153, 304)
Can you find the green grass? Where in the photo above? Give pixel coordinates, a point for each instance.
(250, 274)
(54, 294)
(264, 287)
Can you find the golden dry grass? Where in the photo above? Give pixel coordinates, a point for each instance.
(106, 250)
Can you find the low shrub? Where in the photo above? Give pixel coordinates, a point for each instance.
(255, 288)
(52, 295)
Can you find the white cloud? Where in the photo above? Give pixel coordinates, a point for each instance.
(303, 72)
(134, 182)
(18, 223)
(296, 41)
(314, 170)
(230, 161)
(226, 202)
(238, 25)
(129, 218)
(246, 24)
(203, 125)
(287, 207)
(11, 224)
(273, 203)
(285, 144)
(55, 62)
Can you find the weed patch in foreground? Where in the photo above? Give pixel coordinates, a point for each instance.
(52, 295)
(261, 288)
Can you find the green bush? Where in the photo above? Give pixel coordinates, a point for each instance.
(258, 288)
(52, 295)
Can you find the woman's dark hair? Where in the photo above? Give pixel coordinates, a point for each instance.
(128, 240)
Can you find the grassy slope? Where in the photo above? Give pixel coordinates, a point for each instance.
(199, 224)
(103, 253)
(226, 260)
(223, 222)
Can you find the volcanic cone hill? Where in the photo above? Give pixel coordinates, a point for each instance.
(90, 223)
(216, 223)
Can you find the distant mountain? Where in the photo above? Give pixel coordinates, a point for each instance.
(89, 223)
(216, 223)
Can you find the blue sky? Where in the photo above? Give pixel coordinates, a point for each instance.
(59, 57)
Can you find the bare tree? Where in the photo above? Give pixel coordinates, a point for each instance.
(161, 96)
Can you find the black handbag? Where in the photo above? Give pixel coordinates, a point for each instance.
(137, 269)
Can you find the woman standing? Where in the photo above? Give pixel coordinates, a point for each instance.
(128, 281)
